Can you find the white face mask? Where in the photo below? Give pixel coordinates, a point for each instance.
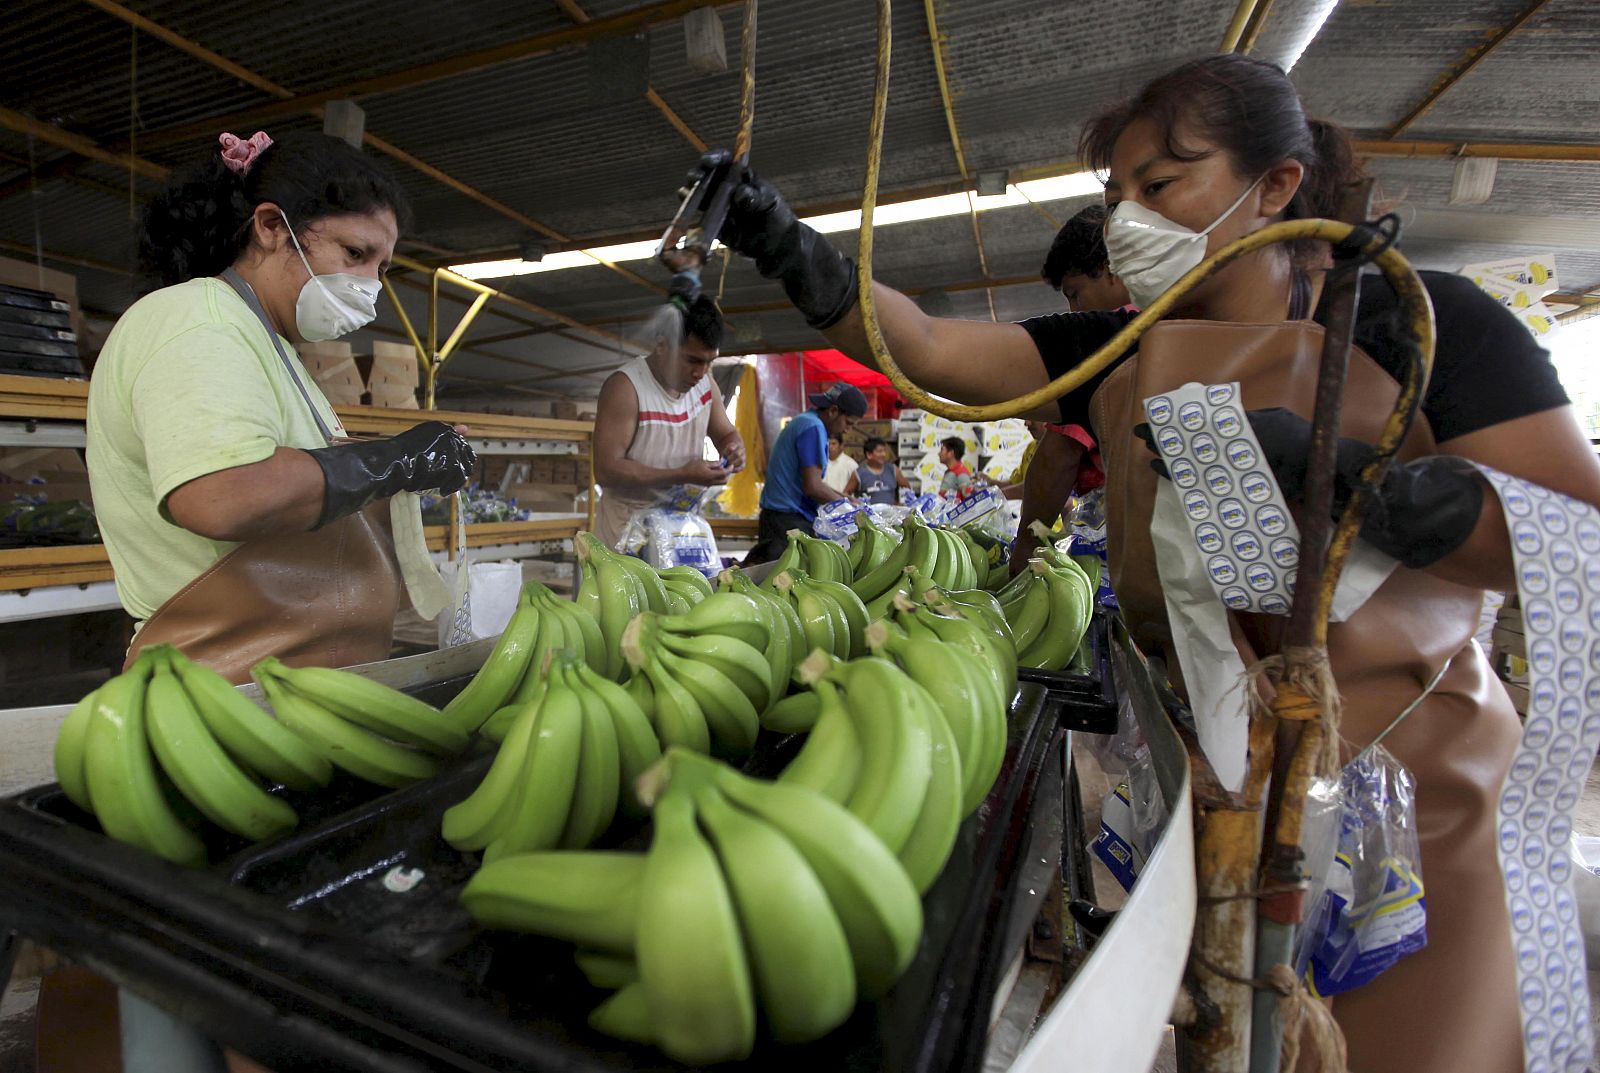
(332, 304)
(1150, 253)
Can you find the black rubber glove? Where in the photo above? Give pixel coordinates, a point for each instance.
(432, 455)
(1420, 512)
(819, 280)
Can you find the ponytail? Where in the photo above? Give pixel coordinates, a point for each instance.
(201, 224)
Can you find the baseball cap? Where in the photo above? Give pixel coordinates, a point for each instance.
(847, 397)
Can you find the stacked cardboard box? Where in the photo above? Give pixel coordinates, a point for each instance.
(334, 369)
(393, 376)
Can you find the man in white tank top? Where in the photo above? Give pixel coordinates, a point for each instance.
(652, 421)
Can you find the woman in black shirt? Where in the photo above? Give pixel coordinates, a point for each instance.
(1221, 148)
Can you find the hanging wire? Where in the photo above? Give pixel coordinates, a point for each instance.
(33, 205)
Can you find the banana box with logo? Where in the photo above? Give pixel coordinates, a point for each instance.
(1010, 435)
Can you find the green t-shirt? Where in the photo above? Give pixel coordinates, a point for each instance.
(188, 384)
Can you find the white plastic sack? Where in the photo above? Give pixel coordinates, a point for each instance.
(490, 592)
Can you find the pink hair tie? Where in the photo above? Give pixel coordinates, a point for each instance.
(239, 153)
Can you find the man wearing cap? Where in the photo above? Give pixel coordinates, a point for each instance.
(794, 488)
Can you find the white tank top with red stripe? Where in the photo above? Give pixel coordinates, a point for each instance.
(671, 433)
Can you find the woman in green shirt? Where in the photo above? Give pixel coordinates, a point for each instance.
(232, 507)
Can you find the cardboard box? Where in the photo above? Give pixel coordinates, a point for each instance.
(63, 285)
(538, 496)
(392, 396)
(564, 410)
(333, 369)
(392, 364)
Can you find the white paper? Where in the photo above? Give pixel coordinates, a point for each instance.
(428, 591)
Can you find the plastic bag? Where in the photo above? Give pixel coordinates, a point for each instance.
(491, 591)
(1371, 909)
(1130, 816)
(666, 538)
(836, 521)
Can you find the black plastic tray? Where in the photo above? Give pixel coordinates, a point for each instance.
(301, 955)
(1086, 702)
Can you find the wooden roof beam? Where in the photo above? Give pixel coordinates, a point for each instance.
(1463, 66)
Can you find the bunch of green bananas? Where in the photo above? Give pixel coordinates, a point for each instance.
(757, 902)
(613, 588)
(1048, 606)
(707, 672)
(786, 644)
(832, 616)
(821, 559)
(542, 623)
(169, 743)
(569, 762)
(884, 748)
(870, 546)
(685, 587)
(950, 557)
(373, 732)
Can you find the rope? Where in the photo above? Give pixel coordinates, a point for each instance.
(1307, 672)
(1394, 266)
(1305, 1019)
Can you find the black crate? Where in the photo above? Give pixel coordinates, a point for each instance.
(299, 954)
(1086, 700)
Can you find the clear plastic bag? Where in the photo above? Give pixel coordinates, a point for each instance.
(665, 538)
(1370, 909)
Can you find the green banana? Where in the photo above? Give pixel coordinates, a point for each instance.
(799, 955)
(649, 582)
(686, 595)
(873, 897)
(779, 654)
(855, 614)
(202, 770)
(674, 713)
(611, 972)
(345, 745)
(498, 678)
(596, 793)
(729, 614)
(692, 959)
(377, 707)
(1031, 613)
(625, 1015)
(895, 747)
(994, 657)
(795, 714)
(933, 836)
(1092, 567)
(792, 557)
(588, 897)
(474, 822)
(587, 597)
(550, 638)
(731, 718)
(1053, 649)
(121, 773)
(587, 627)
(543, 799)
(677, 605)
(744, 665)
(69, 753)
(255, 739)
(951, 678)
(830, 761)
(617, 598)
(887, 574)
(688, 578)
(857, 547)
(637, 747)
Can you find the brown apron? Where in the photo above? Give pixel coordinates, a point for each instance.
(1451, 1008)
(324, 598)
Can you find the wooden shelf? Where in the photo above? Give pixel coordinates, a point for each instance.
(68, 400)
(83, 564)
(71, 564)
(733, 527)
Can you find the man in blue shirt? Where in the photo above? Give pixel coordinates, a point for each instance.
(794, 488)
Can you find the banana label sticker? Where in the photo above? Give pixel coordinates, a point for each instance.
(1561, 614)
(1236, 512)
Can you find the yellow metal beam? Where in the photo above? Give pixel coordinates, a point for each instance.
(1238, 25)
(77, 143)
(1463, 66)
(1553, 152)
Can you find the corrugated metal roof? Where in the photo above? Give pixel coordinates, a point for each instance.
(1024, 76)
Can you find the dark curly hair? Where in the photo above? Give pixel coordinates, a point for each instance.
(201, 223)
(1079, 248)
(1251, 109)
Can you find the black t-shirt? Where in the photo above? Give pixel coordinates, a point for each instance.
(1487, 368)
